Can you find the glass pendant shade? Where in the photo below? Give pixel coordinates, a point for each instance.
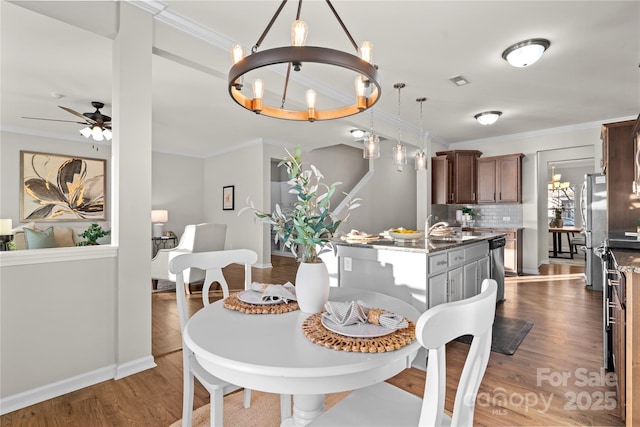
(371, 149)
(299, 31)
(421, 160)
(400, 156)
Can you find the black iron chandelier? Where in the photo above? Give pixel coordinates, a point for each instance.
(367, 85)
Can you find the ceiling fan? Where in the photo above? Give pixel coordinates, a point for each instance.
(98, 124)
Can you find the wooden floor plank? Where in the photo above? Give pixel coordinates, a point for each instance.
(566, 339)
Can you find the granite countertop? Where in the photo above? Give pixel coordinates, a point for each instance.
(423, 245)
(627, 261)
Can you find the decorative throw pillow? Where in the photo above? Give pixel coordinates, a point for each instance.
(39, 239)
(63, 236)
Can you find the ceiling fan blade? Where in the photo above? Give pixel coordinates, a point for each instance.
(75, 113)
(55, 120)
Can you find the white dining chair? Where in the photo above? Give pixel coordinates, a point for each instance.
(212, 264)
(203, 237)
(386, 405)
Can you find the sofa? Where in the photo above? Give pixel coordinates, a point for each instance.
(43, 236)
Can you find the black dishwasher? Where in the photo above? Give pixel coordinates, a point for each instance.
(496, 264)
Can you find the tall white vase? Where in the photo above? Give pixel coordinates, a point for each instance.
(312, 286)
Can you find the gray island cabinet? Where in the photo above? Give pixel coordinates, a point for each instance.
(424, 273)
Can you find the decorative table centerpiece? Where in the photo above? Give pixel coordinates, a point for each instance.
(308, 229)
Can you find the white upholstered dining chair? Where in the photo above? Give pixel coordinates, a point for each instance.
(196, 238)
(211, 263)
(386, 405)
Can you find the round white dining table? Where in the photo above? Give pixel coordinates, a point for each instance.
(270, 353)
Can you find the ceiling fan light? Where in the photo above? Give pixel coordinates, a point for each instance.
(488, 117)
(96, 133)
(107, 134)
(86, 132)
(526, 52)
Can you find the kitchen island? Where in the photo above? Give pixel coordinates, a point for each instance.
(424, 273)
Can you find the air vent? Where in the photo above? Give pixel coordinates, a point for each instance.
(458, 80)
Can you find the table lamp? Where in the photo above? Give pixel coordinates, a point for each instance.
(158, 218)
(5, 234)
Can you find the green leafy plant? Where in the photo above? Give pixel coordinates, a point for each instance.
(92, 234)
(469, 211)
(307, 229)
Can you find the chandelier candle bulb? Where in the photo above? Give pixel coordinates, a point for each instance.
(237, 53)
(311, 96)
(366, 51)
(299, 30)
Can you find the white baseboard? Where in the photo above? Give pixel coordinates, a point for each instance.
(68, 385)
(133, 367)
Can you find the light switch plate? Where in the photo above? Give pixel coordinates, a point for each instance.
(347, 264)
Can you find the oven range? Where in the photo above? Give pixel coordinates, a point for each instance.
(614, 288)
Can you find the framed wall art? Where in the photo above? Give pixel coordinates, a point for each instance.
(228, 197)
(57, 187)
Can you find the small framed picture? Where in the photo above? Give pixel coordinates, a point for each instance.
(228, 197)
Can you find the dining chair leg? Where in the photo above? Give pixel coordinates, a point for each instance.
(285, 406)
(215, 406)
(187, 399)
(246, 402)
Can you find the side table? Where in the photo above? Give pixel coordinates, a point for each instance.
(164, 242)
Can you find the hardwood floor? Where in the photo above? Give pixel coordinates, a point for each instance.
(554, 378)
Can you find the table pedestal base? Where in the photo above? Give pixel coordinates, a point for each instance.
(306, 407)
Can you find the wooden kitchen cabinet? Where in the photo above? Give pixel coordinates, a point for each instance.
(499, 179)
(618, 165)
(453, 178)
(635, 185)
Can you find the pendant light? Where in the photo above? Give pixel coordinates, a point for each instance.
(421, 156)
(399, 151)
(371, 149)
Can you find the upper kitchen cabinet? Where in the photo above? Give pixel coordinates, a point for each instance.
(618, 163)
(635, 185)
(499, 179)
(453, 178)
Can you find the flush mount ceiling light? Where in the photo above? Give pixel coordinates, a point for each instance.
(357, 133)
(367, 91)
(488, 117)
(526, 52)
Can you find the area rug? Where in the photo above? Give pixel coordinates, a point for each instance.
(508, 334)
(263, 412)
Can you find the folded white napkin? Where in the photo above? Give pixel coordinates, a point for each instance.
(353, 312)
(285, 293)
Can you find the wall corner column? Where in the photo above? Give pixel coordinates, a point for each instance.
(131, 177)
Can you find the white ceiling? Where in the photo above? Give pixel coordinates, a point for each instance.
(589, 75)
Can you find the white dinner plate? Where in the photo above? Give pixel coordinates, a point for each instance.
(360, 330)
(254, 297)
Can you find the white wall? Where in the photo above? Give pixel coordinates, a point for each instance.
(178, 186)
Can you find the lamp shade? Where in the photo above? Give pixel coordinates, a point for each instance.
(5, 227)
(159, 216)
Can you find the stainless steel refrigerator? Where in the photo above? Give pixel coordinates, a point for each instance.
(593, 208)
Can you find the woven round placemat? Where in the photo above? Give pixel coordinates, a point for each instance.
(318, 334)
(233, 303)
